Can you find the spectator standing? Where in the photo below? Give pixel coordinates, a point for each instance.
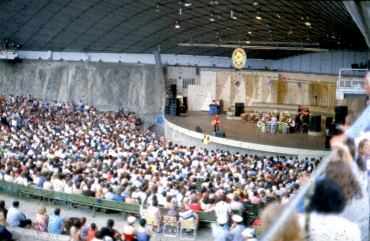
(236, 229)
(273, 124)
(219, 233)
(16, 218)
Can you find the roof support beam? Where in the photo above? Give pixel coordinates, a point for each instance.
(233, 46)
(360, 12)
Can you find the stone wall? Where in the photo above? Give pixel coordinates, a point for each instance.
(104, 85)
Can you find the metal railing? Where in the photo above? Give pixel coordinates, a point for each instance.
(350, 82)
(302, 192)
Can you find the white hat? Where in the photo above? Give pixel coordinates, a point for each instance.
(131, 219)
(248, 232)
(237, 218)
(221, 220)
(173, 192)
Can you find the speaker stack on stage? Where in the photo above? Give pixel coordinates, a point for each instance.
(239, 109)
(339, 119)
(184, 107)
(172, 107)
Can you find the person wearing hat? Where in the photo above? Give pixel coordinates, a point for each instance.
(236, 229)
(248, 234)
(129, 231)
(219, 233)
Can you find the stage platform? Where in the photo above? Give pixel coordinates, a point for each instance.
(242, 136)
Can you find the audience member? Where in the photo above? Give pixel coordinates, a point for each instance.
(16, 218)
(325, 223)
(42, 220)
(129, 231)
(56, 222)
(142, 233)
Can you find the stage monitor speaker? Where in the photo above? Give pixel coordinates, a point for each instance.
(197, 129)
(182, 110)
(315, 123)
(220, 134)
(328, 121)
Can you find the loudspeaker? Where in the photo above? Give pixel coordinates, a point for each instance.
(220, 134)
(333, 130)
(220, 108)
(167, 101)
(182, 110)
(174, 101)
(315, 123)
(354, 66)
(363, 65)
(197, 129)
(174, 110)
(239, 109)
(328, 121)
(197, 71)
(172, 91)
(185, 102)
(167, 110)
(340, 114)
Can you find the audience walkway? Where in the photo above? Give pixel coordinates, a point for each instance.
(29, 207)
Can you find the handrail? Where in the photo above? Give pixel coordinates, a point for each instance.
(350, 84)
(290, 207)
(91, 201)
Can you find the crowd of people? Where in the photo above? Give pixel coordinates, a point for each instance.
(76, 149)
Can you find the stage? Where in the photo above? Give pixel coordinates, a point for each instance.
(241, 136)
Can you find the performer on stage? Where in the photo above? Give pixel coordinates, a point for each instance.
(216, 123)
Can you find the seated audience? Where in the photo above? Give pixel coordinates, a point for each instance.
(16, 218)
(129, 231)
(42, 220)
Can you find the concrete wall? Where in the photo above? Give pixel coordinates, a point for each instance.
(318, 63)
(104, 85)
(321, 63)
(186, 137)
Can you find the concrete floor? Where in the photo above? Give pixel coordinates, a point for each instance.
(248, 132)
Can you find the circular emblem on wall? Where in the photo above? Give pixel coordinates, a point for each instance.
(239, 58)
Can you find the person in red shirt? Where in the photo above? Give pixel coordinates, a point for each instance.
(195, 205)
(91, 232)
(216, 123)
